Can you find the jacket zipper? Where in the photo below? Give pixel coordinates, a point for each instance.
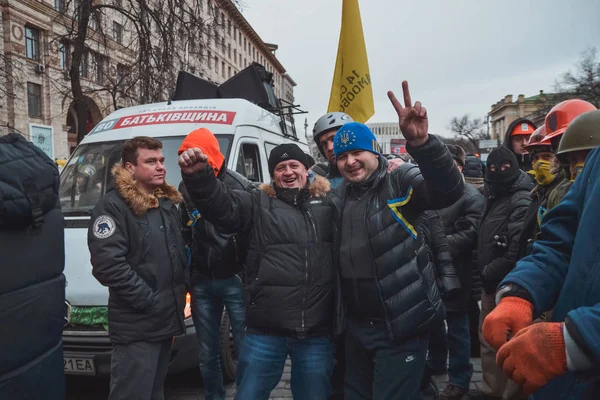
(160, 210)
(310, 218)
(387, 318)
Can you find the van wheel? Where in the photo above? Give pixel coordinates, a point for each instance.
(228, 353)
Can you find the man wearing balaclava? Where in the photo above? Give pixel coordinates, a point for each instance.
(508, 189)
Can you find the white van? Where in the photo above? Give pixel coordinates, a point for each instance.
(246, 135)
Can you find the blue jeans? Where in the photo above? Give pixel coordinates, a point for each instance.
(261, 363)
(208, 299)
(460, 369)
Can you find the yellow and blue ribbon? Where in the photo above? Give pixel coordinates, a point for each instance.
(395, 204)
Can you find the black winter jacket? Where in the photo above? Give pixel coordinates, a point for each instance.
(435, 237)
(499, 231)
(32, 284)
(289, 268)
(533, 216)
(137, 251)
(461, 223)
(401, 258)
(473, 168)
(215, 253)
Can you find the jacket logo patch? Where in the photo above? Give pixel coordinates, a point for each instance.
(104, 227)
(316, 201)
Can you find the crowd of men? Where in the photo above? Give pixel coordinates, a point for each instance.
(371, 275)
(368, 273)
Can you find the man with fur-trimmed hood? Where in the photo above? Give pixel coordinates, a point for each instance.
(289, 269)
(137, 251)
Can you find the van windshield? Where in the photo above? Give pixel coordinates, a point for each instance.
(87, 176)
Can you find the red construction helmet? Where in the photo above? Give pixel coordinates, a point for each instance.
(561, 116)
(535, 140)
(524, 128)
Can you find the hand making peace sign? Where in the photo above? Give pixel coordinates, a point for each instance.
(413, 120)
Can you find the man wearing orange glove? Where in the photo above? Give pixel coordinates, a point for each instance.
(559, 359)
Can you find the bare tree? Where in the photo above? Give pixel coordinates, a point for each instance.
(470, 130)
(584, 83)
(160, 37)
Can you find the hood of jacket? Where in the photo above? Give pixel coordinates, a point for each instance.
(317, 186)
(139, 201)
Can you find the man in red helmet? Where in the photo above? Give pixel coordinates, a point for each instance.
(516, 139)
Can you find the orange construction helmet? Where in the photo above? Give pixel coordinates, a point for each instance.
(524, 128)
(561, 116)
(535, 140)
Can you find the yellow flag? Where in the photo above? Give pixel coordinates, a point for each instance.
(351, 91)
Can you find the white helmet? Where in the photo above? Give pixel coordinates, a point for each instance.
(329, 122)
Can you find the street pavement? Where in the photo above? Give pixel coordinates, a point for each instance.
(188, 386)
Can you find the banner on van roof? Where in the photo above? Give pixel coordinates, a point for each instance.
(167, 117)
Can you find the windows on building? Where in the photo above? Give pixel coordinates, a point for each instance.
(34, 100)
(59, 5)
(32, 43)
(83, 65)
(63, 55)
(100, 62)
(117, 32)
(223, 69)
(209, 60)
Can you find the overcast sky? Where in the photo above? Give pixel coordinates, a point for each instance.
(458, 56)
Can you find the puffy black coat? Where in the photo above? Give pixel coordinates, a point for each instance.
(137, 251)
(499, 231)
(215, 253)
(533, 216)
(289, 268)
(403, 261)
(461, 223)
(32, 284)
(473, 168)
(447, 278)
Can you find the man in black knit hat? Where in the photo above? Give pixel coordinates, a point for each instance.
(508, 189)
(289, 269)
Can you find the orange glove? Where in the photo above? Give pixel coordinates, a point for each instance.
(535, 356)
(510, 316)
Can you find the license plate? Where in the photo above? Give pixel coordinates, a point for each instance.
(79, 366)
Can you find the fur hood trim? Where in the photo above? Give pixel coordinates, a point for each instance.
(319, 187)
(138, 201)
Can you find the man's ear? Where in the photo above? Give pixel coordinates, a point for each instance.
(129, 167)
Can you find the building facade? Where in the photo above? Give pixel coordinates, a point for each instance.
(385, 132)
(36, 98)
(504, 112)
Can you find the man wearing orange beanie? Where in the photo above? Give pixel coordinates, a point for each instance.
(217, 261)
(558, 359)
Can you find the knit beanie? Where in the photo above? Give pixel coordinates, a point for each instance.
(458, 154)
(354, 136)
(206, 141)
(499, 156)
(285, 152)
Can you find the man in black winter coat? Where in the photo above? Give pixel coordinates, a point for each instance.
(137, 251)
(289, 270)
(217, 262)
(461, 222)
(498, 243)
(32, 284)
(386, 274)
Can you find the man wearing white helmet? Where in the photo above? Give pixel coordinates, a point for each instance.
(323, 134)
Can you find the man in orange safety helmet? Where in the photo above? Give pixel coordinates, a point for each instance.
(516, 139)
